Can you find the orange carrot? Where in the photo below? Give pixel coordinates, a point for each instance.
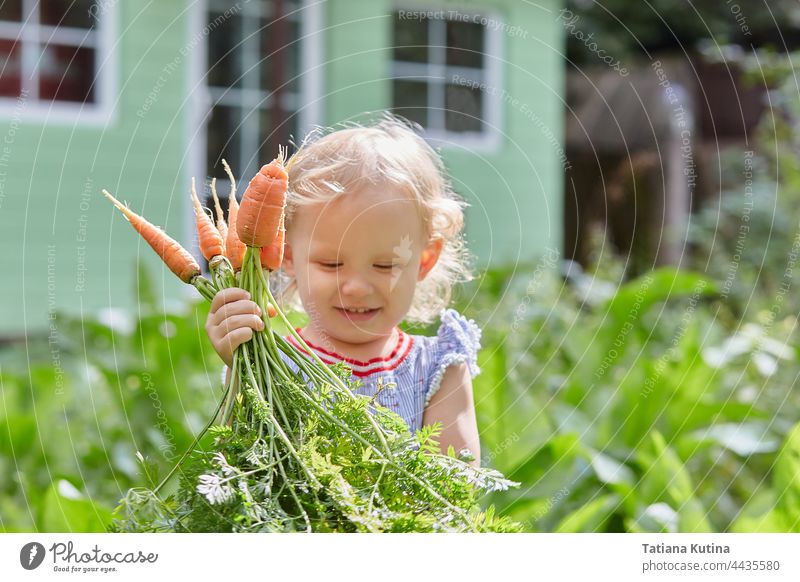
(208, 236)
(222, 227)
(272, 255)
(234, 248)
(262, 205)
(177, 258)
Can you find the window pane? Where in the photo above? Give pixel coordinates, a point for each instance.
(292, 132)
(267, 144)
(410, 99)
(71, 13)
(66, 73)
(10, 69)
(464, 106)
(289, 53)
(410, 39)
(223, 140)
(464, 44)
(224, 50)
(272, 135)
(293, 57)
(11, 10)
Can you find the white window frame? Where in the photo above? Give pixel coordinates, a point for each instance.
(311, 91)
(30, 33)
(437, 74)
(309, 14)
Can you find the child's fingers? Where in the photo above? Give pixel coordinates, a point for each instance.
(271, 310)
(227, 296)
(240, 307)
(237, 337)
(238, 321)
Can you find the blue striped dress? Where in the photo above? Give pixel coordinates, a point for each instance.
(412, 373)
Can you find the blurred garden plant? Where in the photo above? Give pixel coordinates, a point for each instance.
(135, 390)
(617, 414)
(605, 408)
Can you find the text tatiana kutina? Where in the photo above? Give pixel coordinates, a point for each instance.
(684, 549)
(96, 555)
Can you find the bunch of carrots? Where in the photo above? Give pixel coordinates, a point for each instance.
(240, 252)
(304, 452)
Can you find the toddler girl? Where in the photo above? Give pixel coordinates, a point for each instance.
(373, 239)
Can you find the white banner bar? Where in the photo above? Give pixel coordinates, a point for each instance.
(401, 557)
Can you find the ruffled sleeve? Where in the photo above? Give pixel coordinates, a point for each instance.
(457, 341)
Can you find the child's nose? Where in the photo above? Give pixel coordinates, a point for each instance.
(356, 285)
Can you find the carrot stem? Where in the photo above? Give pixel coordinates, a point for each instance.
(194, 443)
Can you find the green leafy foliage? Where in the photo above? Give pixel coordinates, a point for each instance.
(614, 412)
(663, 438)
(65, 509)
(630, 29)
(125, 383)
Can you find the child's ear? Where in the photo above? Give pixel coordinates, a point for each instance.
(430, 256)
(288, 259)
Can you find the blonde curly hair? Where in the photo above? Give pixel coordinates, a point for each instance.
(331, 163)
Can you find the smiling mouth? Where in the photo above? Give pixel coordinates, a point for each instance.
(357, 314)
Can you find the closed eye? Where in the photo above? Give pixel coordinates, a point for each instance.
(386, 267)
(330, 265)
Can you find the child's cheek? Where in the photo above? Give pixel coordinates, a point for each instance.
(402, 281)
(326, 281)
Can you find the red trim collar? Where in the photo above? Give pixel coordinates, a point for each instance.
(360, 368)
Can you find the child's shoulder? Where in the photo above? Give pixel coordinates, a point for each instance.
(457, 340)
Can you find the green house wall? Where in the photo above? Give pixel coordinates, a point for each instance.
(68, 249)
(516, 191)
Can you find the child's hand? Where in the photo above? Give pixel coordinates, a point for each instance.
(231, 321)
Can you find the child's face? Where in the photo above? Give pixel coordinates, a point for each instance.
(364, 250)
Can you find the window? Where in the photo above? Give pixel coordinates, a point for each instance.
(444, 75)
(50, 53)
(253, 69)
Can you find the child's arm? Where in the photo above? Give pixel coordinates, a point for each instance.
(453, 406)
